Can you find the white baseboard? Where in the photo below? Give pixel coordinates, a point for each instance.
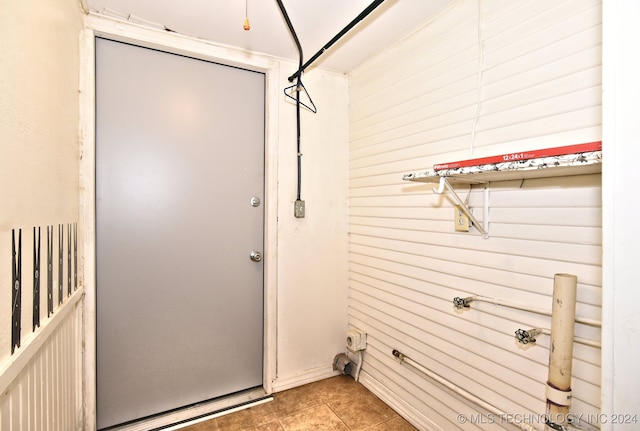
(287, 382)
(413, 416)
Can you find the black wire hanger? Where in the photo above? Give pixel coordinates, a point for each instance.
(294, 87)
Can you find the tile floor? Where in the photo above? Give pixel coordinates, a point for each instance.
(337, 403)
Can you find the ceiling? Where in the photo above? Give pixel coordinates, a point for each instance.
(315, 22)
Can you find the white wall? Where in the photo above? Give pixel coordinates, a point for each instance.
(621, 133)
(39, 166)
(312, 252)
(39, 129)
(419, 103)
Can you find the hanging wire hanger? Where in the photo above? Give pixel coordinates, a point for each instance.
(300, 87)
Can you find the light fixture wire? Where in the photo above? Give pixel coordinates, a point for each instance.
(246, 26)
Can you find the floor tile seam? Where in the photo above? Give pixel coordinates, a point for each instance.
(394, 415)
(380, 423)
(264, 424)
(339, 417)
(280, 418)
(312, 407)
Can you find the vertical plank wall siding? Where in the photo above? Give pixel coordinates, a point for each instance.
(483, 78)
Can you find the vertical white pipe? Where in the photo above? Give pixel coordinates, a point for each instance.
(561, 349)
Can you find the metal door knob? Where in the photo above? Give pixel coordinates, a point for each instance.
(255, 256)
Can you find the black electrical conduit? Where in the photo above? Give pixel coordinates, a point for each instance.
(302, 67)
(299, 84)
(328, 45)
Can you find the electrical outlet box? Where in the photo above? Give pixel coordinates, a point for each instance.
(298, 209)
(356, 340)
(461, 220)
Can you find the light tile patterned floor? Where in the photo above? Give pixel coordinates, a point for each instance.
(334, 404)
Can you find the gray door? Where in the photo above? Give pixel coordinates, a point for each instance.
(179, 157)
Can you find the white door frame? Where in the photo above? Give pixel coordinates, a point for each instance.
(96, 25)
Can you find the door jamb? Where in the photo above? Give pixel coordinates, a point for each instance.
(97, 25)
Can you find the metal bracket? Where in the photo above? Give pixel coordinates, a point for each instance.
(483, 229)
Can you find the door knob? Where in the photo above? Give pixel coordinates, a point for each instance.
(255, 256)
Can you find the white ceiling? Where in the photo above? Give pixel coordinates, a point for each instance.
(316, 22)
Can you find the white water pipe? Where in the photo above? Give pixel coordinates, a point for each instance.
(458, 390)
(561, 351)
(529, 336)
(461, 303)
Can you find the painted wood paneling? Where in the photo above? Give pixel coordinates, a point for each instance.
(483, 78)
(46, 394)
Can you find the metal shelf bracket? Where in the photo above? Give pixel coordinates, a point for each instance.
(444, 186)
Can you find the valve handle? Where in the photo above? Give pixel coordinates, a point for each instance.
(524, 337)
(459, 303)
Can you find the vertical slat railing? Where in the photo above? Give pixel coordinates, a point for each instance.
(41, 381)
